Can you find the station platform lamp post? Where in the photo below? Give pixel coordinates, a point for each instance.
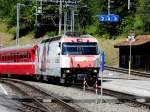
(18, 22)
(131, 39)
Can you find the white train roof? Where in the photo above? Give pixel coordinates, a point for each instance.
(16, 47)
(67, 35)
(51, 39)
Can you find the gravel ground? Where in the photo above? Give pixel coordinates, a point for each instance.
(79, 95)
(93, 107)
(109, 107)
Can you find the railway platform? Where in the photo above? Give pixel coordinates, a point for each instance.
(133, 86)
(92, 99)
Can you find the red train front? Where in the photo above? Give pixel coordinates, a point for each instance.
(80, 57)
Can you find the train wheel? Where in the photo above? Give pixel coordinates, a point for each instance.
(64, 82)
(68, 81)
(38, 77)
(61, 80)
(9, 75)
(4, 75)
(45, 79)
(92, 80)
(57, 80)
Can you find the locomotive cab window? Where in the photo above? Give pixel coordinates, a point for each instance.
(80, 48)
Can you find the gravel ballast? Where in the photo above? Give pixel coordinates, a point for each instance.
(93, 107)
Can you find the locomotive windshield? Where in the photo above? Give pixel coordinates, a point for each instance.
(80, 48)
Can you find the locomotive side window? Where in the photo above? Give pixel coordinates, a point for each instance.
(25, 57)
(0, 58)
(8, 55)
(10, 58)
(15, 57)
(80, 48)
(5, 58)
(29, 56)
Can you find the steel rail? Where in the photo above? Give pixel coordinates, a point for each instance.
(59, 101)
(126, 97)
(45, 109)
(32, 107)
(122, 97)
(133, 72)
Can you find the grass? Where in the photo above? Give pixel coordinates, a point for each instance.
(7, 37)
(8, 40)
(111, 53)
(3, 27)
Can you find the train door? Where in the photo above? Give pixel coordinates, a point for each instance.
(39, 53)
(43, 60)
(54, 56)
(48, 59)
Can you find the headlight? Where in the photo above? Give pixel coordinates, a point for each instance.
(67, 71)
(95, 71)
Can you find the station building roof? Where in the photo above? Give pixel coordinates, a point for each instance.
(139, 40)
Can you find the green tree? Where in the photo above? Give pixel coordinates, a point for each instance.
(137, 17)
(118, 7)
(145, 16)
(8, 11)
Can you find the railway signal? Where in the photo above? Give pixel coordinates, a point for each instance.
(130, 40)
(109, 17)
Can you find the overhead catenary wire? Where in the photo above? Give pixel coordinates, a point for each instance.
(66, 8)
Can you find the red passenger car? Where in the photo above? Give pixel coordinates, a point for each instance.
(18, 60)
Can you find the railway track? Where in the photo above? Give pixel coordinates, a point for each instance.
(122, 97)
(36, 99)
(133, 72)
